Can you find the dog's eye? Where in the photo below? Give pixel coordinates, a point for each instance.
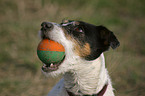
(79, 30)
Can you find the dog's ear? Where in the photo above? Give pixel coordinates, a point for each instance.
(108, 38)
(104, 39)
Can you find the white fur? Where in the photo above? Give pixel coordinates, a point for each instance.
(80, 76)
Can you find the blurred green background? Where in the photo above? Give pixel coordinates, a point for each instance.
(20, 20)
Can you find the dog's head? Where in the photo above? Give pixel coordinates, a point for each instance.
(83, 42)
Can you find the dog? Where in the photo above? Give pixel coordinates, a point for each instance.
(83, 67)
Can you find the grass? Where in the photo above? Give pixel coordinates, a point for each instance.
(19, 24)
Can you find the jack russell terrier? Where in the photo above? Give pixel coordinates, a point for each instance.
(83, 67)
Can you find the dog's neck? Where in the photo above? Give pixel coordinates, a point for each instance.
(88, 78)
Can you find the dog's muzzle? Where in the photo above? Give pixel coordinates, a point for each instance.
(46, 30)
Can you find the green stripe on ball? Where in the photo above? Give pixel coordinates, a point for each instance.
(48, 57)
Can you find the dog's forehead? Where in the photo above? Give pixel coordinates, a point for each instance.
(76, 23)
(69, 22)
(66, 24)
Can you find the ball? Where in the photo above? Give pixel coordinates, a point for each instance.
(50, 51)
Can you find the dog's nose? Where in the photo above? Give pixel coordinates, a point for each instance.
(47, 25)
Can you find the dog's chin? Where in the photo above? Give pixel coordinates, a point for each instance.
(53, 72)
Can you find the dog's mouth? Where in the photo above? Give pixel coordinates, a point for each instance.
(51, 66)
(46, 28)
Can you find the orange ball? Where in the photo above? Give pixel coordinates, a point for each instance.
(50, 51)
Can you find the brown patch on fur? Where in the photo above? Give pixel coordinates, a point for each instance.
(81, 50)
(105, 35)
(106, 43)
(65, 21)
(77, 23)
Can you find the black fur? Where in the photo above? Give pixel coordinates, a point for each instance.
(99, 37)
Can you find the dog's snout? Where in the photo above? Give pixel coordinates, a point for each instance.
(47, 25)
